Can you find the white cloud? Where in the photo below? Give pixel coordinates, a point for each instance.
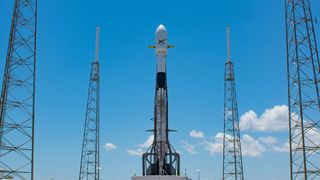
(274, 119)
(216, 146)
(313, 137)
(196, 134)
(269, 140)
(251, 147)
(141, 147)
(213, 148)
(135, 152)
(272, 144)
(188, 147)
(271, 120)
(148, 142)
(110, 147)
(285, 148)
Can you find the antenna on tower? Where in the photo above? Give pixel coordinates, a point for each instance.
(228, 44)
(97, 42)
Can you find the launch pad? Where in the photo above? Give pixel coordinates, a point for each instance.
(159, 178)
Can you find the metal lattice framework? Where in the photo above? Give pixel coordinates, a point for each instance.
(232, 155)
(303, 91)
(90, 160)
(17, 103)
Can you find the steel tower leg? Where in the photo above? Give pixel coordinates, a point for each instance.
(232, 154)
(17, 103)
(303, 91)
(90, 160)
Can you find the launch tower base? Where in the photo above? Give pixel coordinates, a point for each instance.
(159, 178)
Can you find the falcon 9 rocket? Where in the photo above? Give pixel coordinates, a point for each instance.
(161, 158)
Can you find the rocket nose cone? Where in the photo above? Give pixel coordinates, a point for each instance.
(161, 28)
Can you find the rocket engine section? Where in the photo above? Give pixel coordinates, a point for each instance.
(161, 158)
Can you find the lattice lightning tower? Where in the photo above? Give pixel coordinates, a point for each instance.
(232, 155)
(17, 103)
(90, 160)
(303, 91)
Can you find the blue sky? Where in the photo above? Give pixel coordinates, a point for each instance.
(195, 75)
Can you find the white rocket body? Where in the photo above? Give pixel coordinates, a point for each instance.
(161, 99)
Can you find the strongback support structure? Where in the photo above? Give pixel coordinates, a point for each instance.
(303, 91)
(232, 155)
(17, 103)
(90, 160)
(161, 158)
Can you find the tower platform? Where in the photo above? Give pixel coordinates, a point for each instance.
(159, 178)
